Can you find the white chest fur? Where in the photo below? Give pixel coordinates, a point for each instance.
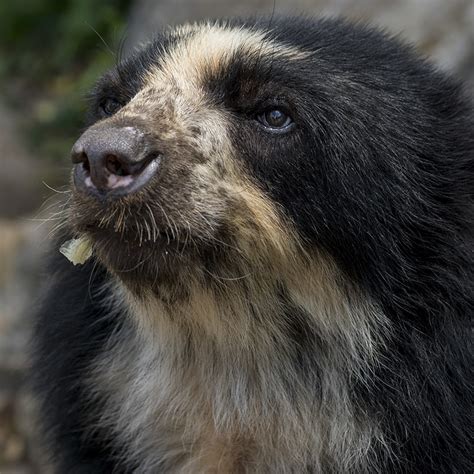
(212, 387)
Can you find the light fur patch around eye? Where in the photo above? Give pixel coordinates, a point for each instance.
(174, 89)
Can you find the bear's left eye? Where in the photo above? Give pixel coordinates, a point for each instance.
(109, 106)
(275, 120)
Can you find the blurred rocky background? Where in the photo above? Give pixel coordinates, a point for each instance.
(50, 53)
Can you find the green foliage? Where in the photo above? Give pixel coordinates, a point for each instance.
(51, 52)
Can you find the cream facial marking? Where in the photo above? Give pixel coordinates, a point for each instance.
(176, 84)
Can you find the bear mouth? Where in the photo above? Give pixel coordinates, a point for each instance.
(146, 264)
(114, 181)
(129, 238)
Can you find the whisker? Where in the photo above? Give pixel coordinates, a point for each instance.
(68, 191)
(109, 49)
(141, 262)
(217, 277)
(168, 221)
(148, 230)
(155, 227)
(91, 276)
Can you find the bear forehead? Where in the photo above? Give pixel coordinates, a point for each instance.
(201, 51)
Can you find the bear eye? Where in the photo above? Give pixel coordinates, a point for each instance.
(109, 106)
(275, 120)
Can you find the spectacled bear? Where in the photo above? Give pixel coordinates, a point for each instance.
(280, 221)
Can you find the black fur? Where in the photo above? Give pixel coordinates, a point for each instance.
(72, 327)
(379, 174)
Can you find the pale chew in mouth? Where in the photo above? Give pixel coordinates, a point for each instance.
(77, 251)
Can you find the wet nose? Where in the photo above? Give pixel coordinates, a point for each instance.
(112, 161)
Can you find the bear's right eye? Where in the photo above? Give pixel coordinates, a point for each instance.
(109, 106)
(275, 120)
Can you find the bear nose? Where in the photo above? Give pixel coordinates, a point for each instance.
(112, 161)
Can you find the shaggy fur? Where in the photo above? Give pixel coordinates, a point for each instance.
(270, 302)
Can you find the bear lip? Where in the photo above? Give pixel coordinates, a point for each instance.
(117, 186)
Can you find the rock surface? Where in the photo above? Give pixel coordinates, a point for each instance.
(23, 241)
(20, 176)
(21, 247)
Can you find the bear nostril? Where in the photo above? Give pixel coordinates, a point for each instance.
(115, 166)
(80, 157)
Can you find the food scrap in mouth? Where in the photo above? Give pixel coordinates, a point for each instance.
(78, 250)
